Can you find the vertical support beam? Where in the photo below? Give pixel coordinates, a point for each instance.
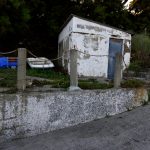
(73, 70)
(118, 71)
(21, 69)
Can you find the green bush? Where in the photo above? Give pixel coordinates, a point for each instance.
(141, 49)
(135, 66)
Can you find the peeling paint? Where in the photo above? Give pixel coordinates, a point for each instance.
(93, 39)
(86, 56)
(127, 46)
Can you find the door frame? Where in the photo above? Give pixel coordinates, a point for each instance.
(122, 50)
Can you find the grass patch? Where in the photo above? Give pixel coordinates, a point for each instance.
(46, 73)
(135, 66)
(40, 83)
(84, 85)
(57, 79)
(60, 80)
(132, 83)
(61, 84)
(94, 85)
(8, 77)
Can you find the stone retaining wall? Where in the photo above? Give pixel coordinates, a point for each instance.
(28, 114)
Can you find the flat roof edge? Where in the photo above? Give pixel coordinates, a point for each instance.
(72, 15)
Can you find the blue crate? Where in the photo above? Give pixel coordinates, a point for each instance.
(3, 62)
(12, 62)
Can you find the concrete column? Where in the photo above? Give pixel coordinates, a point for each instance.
(21, 69)
(118, 70)
(73, 70)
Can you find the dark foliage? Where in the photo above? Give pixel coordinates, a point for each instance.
(37, 23)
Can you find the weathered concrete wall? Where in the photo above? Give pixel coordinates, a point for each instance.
(91, 45)
(23, 115)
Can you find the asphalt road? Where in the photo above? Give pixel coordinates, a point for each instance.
(127, 131)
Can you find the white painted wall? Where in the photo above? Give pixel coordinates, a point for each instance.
(84, 26)
(127, 55)
(66, 31)
(63, 38)
(92, 39)
(91, 65)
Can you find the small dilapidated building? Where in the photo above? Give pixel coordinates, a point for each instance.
(97, 45)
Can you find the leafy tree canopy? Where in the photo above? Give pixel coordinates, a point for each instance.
(141, 10)
(38, 22)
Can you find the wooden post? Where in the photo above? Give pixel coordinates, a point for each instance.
(73, 71)
(21, 69)
(118, 71)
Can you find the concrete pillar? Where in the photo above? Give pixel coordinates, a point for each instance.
(21, 69)
(73, 70)
(118, 71)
